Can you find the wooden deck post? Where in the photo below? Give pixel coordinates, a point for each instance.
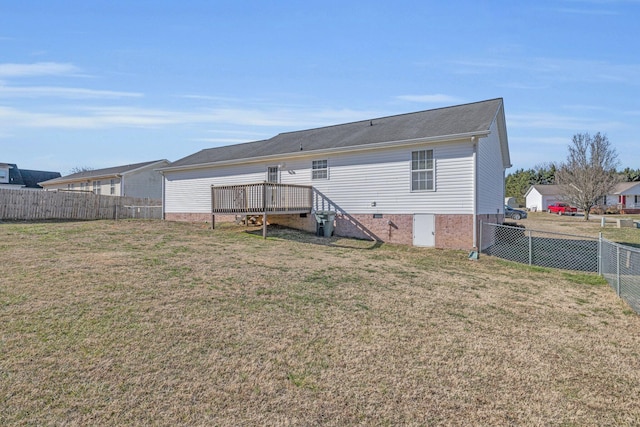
(264, 225)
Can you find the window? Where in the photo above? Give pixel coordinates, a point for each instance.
(422, 170)
(82, 186)
(96, 187)
(112, 190)
(272, 174)
(4, 175)
(319, 169)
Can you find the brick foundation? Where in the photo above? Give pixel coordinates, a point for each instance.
(451, 231)
(389, 228)
(454, 231)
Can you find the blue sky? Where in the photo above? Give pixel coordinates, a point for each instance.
(107, 83)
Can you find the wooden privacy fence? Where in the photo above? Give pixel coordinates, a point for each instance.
(29, 205)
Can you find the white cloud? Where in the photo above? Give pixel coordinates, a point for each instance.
(62, 92)
(37, 69)
(124, 116)
(437, 98)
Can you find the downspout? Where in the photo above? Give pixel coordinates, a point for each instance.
(163, 197)
(474, 142)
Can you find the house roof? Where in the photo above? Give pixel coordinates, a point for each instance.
(545, 189)
(102, 173)
(468, 119)
(27, 177)
(555, 190)
(627, 187)
(31, 178)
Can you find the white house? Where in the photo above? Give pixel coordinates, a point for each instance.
(135, 180)
(625, 197)
(426, 178)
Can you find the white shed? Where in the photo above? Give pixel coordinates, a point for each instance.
(538, 197)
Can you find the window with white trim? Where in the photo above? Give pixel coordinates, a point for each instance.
(96, 187)
(273, 174)
(112, 189)
(319, 169)
(422, 170)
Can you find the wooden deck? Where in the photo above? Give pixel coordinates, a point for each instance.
(265, 198)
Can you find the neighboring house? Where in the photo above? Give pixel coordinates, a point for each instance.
(136, 180)
(625, 196)
(426, 178)
(13, 177)
(538, 197)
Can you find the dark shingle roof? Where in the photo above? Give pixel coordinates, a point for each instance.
(28, 178)
(31, 178)
(441, 122)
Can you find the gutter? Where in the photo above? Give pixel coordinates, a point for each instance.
(355, 148)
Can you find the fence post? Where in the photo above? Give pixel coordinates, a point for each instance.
(618, 270)
(600, 254)
(530, 249)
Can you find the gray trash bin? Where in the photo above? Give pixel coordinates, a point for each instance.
(328, 225)
(325, 222)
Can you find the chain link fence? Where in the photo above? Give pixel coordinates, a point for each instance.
(618, 264)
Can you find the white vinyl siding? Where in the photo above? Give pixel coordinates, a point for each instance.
(490, 173)
(357, 180)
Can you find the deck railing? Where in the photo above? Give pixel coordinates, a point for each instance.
(265, 197)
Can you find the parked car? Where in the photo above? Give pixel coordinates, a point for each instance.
(562, 209)
(512, 213)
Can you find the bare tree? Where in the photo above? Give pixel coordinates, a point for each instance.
(589, 172)
(77, 169)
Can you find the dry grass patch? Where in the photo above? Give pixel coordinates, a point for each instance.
(543, 221)
(149, 322)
